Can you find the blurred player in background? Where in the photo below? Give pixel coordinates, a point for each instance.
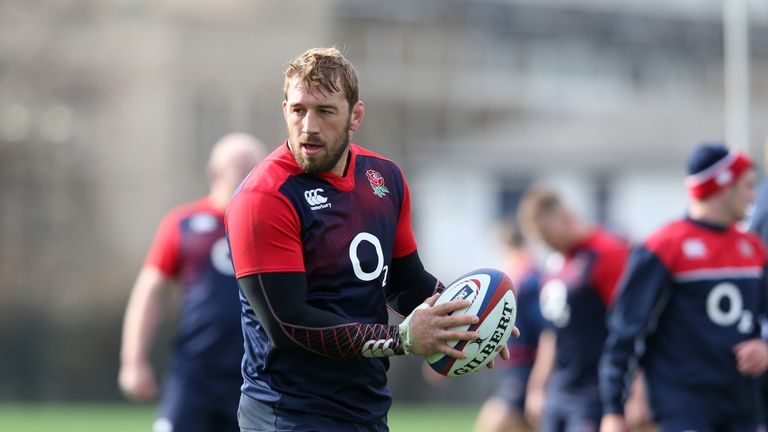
(504, 411)
(577, 288)
(202, 389)
(321, 243)
(759, 224)
(690, 308)
(759, 218)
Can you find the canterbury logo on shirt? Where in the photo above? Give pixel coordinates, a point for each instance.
(316, 200)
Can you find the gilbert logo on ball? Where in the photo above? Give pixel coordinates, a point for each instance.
(491, 299)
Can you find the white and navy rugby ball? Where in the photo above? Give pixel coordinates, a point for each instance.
(491, 298)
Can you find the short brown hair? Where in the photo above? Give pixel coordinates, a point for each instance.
(325, 69)
(538, 202)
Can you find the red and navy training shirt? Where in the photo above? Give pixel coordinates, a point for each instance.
(190, 245)
(692, 291)
(575, 296)
(343, 233)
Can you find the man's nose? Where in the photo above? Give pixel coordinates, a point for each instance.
(310, 124)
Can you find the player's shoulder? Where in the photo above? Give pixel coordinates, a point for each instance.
(605, 241)
(611, 238)
(366, 153)
(375, 159)
(670, 234)
(188, 209)
(685, 241)
(378, 168)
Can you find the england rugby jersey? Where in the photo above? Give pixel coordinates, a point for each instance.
(191, 246)
(343, 233)
(575, 295)
(692, 291)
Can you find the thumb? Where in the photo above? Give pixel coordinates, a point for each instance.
(739, 347)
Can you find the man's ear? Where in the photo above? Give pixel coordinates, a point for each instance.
(358, 113)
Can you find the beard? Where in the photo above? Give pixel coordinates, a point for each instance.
(323, 163)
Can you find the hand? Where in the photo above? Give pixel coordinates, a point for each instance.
(137, 381)
(751, 357)
(503, 352)
(613, 423)
(429, 328)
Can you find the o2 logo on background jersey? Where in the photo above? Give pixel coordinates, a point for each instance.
(727, 313)
(358, 268)
(222, 258)
(553, 301)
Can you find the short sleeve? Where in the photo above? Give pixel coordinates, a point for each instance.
(405, 243)
(607, 272)
(165, 251)
(264, 234)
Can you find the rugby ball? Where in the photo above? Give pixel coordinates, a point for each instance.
(491, 299)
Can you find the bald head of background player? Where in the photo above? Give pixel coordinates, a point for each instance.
(232, 157)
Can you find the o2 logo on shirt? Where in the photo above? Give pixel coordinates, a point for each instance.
(554, 302)
(728, 313)
(380, 267)
(221, 257)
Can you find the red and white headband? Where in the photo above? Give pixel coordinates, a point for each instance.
(718, 176)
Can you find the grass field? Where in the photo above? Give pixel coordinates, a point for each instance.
(134, 418)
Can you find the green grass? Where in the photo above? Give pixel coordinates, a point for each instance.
(138, 418)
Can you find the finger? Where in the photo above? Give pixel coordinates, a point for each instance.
(515, 332)
(448, 307)
(450, 352)
(432, 299)
(504, 353)
(456, 320)
(747, 366)
(491, 364)
(453, 335)
(748, 369)
(752, 364)
(744, 351)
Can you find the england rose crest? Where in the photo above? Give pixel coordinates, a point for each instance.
(377, 183)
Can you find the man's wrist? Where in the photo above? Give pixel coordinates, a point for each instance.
(404, 330)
